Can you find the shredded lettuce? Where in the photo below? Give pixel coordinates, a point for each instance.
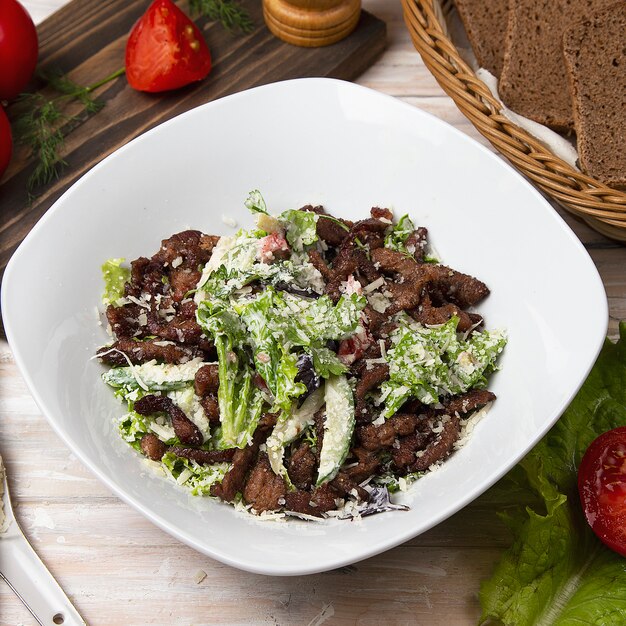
(300, 228)
(114, 276)
(557, 573)
(396, 236)
(427, 362)
(195, 477)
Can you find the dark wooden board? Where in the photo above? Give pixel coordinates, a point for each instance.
(86, 38)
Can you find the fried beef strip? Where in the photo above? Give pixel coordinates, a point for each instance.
(439, 448)
(204, 457)
(301, 466)
(235, 478)
(314, 503)
(416, 243)
(152, 447)
(184, 428)
(211, 408)
(468, 402)
(143, 351)
(367, 464)
(375, 438)
(428, 314)
(264, 490)
(207, 379)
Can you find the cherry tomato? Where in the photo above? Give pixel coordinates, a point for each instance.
(165, 50)
(6, 144)
(18, 48)
(602, 488)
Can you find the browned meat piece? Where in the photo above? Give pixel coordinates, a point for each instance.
(407, 295)
(332, 230)
(367, 269)
(143, 351)
(184, 428)
(345, 264)
(452, 286)
(367, 464)
(370, 379)
(319, 209)
(124, 319)
(394, 262)
(211, 408)
(381, 214)
(431, 315)
(359, 366)
(344, 485)
(404, 454)
(439, 448)
(180, 330)
(264, 489)
(376, 437)
(313, 503)
(208, 242)
(371, 224)
(301, 467)
(207, 380)
(204, 457)
(374, 319)
(416, 243)
(153, 447)
(182, 281)
(267, 421)
(320, 265)
(468, 402)
(145, 276)
(323, 498)
(191, 246)
(235, 478)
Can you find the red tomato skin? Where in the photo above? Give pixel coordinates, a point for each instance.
(165, 50)
(602, 488)
(18, 48)
(6, 143)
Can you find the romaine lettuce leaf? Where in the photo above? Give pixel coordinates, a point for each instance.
(114, 276)
(300, 228)
(197, 478)
(557, 573)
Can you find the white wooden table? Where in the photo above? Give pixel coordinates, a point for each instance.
(120, 570)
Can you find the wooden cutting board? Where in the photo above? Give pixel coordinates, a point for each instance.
(87, 38)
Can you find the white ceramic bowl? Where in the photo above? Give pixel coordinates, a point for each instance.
(322, 142)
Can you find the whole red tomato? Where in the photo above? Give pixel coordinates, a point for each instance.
(18, 48)
(165, 50)
(6, 144)
(602, 488)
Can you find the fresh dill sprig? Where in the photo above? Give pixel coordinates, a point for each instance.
(38, 127)
(229, 13)
(40, 121)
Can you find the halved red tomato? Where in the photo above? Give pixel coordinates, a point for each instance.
(165, 50)
(602, 488)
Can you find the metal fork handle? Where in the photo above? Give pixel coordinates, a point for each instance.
(33, 584)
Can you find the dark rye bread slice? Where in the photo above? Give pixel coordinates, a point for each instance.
(534, 82)
(486, 22)
(595, 57)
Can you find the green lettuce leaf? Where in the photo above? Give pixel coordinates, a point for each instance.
(396, 236)
(427, 362)
(114, 276)
(300, 228)
(195, 477)
(557, 573)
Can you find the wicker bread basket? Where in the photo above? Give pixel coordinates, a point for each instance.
(603, 208)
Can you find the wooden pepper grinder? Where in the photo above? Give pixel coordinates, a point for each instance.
(311, 23)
